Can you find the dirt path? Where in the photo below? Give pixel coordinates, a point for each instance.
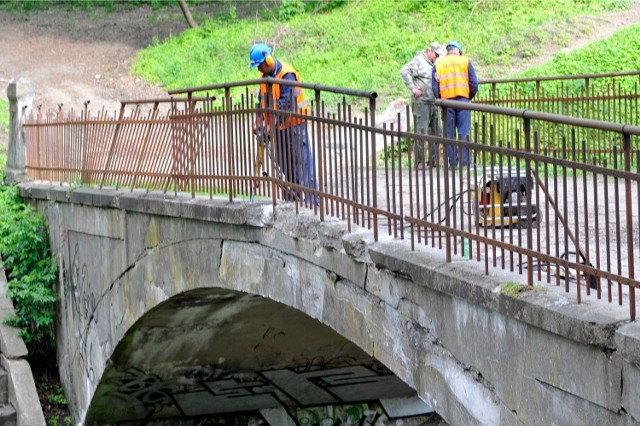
(79, 56)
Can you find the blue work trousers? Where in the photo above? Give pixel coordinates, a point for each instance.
(458, 127)
(295, 160)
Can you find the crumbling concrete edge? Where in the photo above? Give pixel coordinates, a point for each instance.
(13, 352)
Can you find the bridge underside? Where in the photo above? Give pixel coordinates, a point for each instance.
(213, 353)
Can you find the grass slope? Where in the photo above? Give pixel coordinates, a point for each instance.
(616, 53)
(363, 43)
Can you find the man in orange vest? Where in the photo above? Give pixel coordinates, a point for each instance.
(293, 152)
(454, 78)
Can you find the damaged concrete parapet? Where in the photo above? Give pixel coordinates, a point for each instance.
(474, 352)
(20, 93)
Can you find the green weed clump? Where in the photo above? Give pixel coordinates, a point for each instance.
(31, 270)
(4, 115)
(514, 289)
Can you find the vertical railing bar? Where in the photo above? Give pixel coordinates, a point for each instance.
(320, 160)
(410, 148)
(607, 238)
(374, 170)
(565, 212)
(112, 147)
(361, 167)
(367, 168)
(626, 144)
(354, 171)
(160, 169)
(400, 182)
(616, 199)
(596, 224)
(229, 134)
(556, 228)
(576, 220)
(390, 205)
(588, 276)
(528, 197)
(133, 141)
(494, 177)
(178, 142)
(331, 152)
(447, 219)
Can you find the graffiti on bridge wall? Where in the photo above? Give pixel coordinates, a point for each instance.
(345, 395)
(83, 304)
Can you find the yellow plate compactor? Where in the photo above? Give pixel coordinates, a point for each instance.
(501, 198)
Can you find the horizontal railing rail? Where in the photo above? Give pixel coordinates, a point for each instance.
(537, 198)
(612, 97)
(587, 78)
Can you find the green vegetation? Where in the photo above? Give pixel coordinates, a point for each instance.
(58, 398)
(514, 289)
(614, 54)
(4, 115)
(31, 271)
(363, 44)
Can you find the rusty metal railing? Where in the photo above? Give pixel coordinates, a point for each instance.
(561, 216)
(612, 97)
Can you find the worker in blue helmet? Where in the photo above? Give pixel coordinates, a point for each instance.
(455, 78)
(292, 149)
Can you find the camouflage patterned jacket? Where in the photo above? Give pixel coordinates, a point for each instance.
(417, 73)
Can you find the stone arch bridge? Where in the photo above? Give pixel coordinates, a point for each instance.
(174, 307)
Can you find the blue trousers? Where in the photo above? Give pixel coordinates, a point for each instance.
(458, 127)
(295, 159)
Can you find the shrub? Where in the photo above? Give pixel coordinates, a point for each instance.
(30, 268)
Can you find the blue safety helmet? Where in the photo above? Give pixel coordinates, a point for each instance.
(455, 44)
(258, 54)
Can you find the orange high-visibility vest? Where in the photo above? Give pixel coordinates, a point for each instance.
(301, 102)
(453, 76)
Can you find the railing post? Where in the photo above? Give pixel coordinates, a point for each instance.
(538, 100)
(626, 144)
(586, 87)
(276, 155)
(528, 199)
(84, 145)
(447, 219)
(374, 173)
(174, 149)
(192, 145)
(227, 98)
(319, 153)
(20, 93)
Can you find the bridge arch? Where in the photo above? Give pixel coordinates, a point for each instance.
(216, 352)
(217, 290)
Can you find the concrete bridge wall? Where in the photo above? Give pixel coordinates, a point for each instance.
(476, 355)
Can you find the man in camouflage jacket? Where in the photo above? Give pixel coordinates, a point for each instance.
(416, 76)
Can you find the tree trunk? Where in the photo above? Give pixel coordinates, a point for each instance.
(187, 14)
